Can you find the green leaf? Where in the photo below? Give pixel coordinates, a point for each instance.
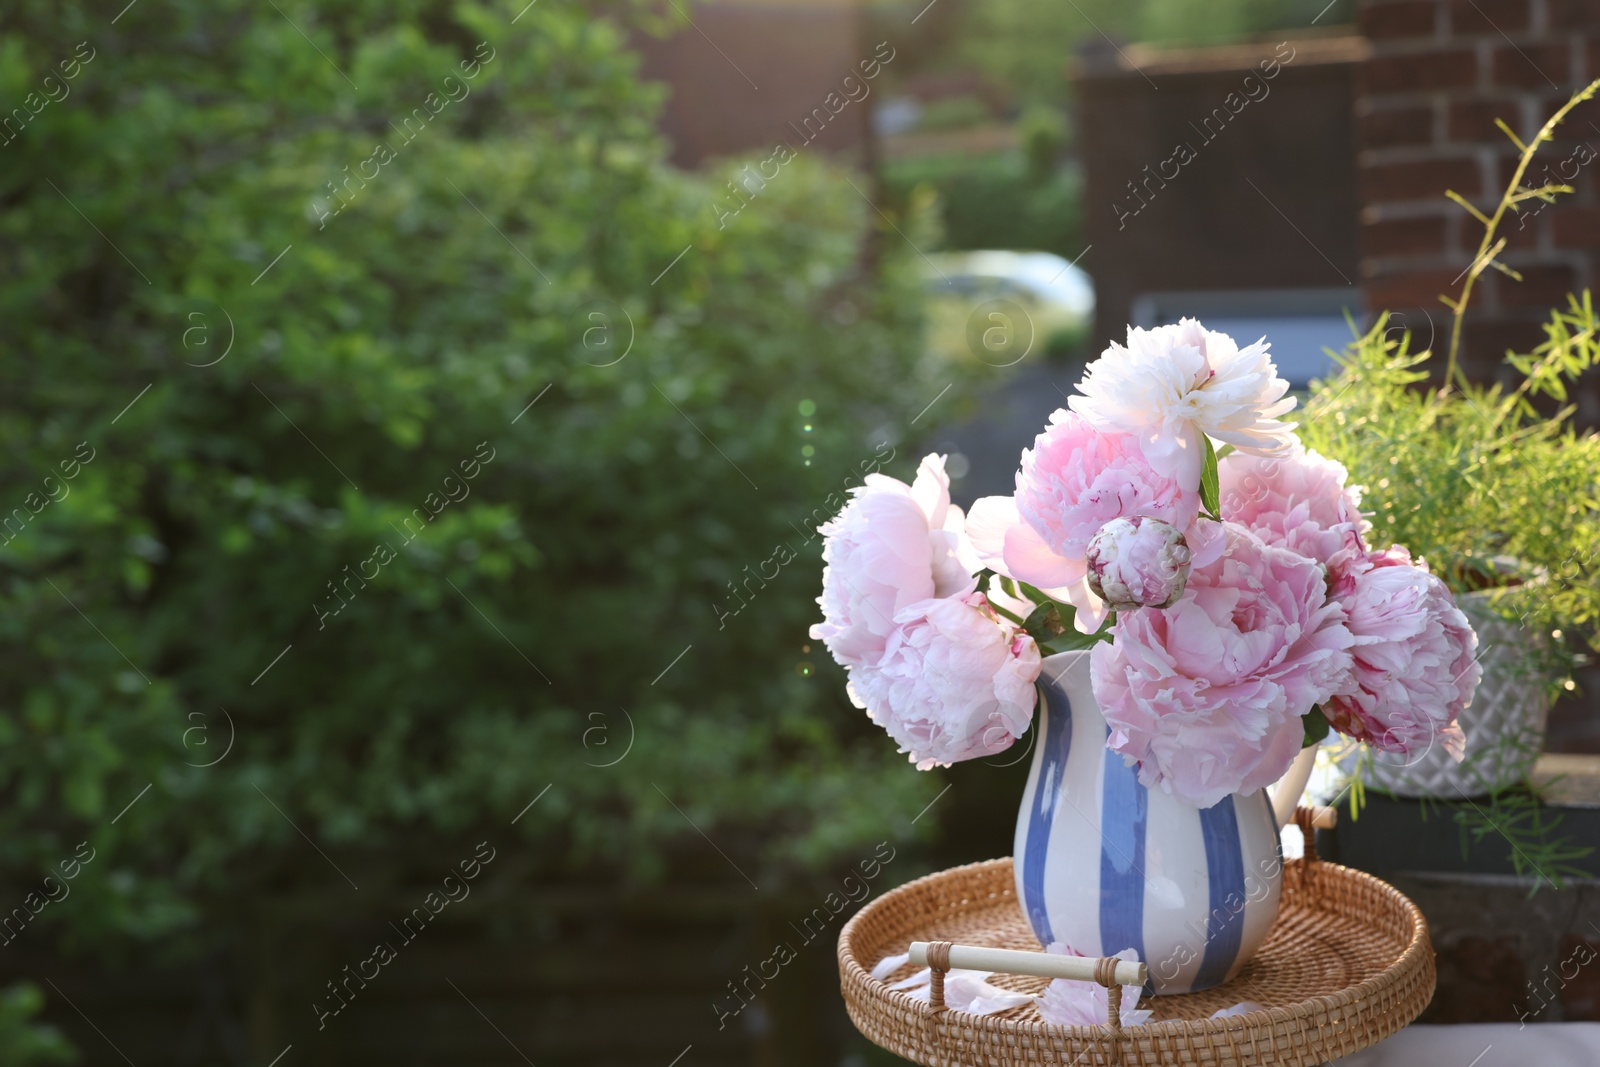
(1037, 595)
(1210, 489)
(1071, 639)
(1314, 724)
(1049, 620)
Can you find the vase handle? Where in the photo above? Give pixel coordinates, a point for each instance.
(1286, 794)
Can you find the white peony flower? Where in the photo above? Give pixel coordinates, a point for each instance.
(1173, 385)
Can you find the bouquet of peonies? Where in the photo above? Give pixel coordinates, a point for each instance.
(1169, 521)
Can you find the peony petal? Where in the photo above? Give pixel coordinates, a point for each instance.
(1207, 540)
(1069, 1003)
(890, 964)
(1412, 669)
(955, 681)
(987, 522)
(931, 490)
(1030, 560)
(1091, 609)
(1207, 695)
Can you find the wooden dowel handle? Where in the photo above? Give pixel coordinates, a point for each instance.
(1039, 964)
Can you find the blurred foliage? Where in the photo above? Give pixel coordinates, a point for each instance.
(273, 366)
(25, 1042)
(954, 112)
(1044, 133)
(997, 200)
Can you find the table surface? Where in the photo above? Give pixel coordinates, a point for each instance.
(1486, 1045)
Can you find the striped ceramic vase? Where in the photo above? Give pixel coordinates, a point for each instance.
(1103, 864)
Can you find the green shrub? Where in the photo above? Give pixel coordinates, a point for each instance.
(994, 201)
(954, 113)
(1044, 134)
(24, 1041)
(276, 374)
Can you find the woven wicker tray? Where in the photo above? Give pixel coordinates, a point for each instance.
(1347, 963)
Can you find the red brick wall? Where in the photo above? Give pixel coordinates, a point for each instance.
(1438, 75)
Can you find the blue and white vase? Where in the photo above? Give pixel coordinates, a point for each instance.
(1103, 864)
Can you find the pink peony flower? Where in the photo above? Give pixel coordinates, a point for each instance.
(954, 682)
(1173, 386)
(1073, 481)
(892, 546)
(1138, 563)
(1068, 1003)
(1415, 663)
(1298, 501)
(1206, 696)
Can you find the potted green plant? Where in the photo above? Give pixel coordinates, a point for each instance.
(1499, 491)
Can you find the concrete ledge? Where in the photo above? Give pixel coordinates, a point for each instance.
(1394, 835)
(1568, 780)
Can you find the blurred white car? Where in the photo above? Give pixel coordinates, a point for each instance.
(1000, 307)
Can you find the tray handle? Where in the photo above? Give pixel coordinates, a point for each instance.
(941, 956)
(1310, 820)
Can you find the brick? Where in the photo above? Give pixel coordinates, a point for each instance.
(1533, 177)
(1560, 163)
(1473, 120)
(1392, 127)
(1582, 122)
(1421, 72)
(1396, 290)
(1404, 237)
(1521, 231)
(1504, 168)
(1565, 150)
(1486, 339)
(1575, 226)
(1580, 984)
(1573, 14)
(1388, 22)
(1588, 183)
(1531, 66)
(1419, 180)
(1556, 164)
(1541, 286)
(1484, 979)
(1488, 16)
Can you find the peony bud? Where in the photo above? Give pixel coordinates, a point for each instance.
(1138, 563)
